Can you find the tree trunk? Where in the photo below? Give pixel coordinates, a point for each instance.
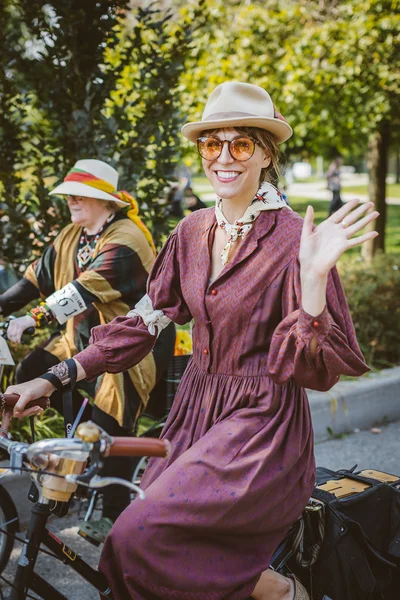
(398, 164)
(378, 151)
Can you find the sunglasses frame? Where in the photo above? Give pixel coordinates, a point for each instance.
(229, 142)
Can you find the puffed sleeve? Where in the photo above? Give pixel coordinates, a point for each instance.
(125, 341)
(337, 350)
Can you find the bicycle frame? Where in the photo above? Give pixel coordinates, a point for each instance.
(26, 579)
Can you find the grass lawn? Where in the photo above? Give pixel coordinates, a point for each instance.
(392, 190)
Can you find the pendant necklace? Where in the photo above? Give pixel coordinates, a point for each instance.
(86, 247)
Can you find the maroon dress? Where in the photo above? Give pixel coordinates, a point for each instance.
(242, 464)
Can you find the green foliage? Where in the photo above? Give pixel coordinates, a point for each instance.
(12, 113)
(373, 293)
(85, 80)
(332, 68)
(47, 425)
(146, 105)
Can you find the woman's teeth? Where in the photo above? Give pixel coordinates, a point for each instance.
(227, 174)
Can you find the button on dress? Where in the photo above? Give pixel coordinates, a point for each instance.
(242, 464)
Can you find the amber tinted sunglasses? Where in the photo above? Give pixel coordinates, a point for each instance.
(241, 148)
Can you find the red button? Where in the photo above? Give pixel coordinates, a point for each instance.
(214, 292)
(205, 351)
(315, 324)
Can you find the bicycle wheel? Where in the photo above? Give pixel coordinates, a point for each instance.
(9, 525)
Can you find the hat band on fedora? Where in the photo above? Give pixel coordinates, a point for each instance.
(229, 115)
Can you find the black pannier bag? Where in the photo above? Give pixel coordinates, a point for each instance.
(358, 554)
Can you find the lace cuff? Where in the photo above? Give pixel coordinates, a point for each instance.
(151, 318)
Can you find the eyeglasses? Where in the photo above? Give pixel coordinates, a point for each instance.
(241, 148)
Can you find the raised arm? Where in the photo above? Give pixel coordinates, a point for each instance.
(315, 343)
(314, 350)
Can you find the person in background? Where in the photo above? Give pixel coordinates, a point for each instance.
(270, 320)
(95, 270)
(191, 201)
(175, 199)
(333, 181)
(287, 181)
(8, 276)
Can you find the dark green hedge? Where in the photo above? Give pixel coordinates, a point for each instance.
(373, 293)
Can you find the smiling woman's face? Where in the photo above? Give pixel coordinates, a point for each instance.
(231, 178)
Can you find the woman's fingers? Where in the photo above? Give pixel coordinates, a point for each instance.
(30, 412)
(340, 214)
(13, 332)
(308, 223)
(17, 327)
(350, 231)
(362, 238)
(356, 214)
(20, 405)
(31, 390)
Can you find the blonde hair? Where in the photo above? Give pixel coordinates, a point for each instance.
(267, 143)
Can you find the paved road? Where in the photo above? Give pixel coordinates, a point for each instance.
(368, 450)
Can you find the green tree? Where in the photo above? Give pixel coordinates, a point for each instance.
(331, 67)
(345, 79)
(11, 141)
(99, 81)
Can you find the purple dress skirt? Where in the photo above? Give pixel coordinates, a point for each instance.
(242, 463)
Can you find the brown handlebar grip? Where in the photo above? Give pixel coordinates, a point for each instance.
(130, 446)
(8, 401)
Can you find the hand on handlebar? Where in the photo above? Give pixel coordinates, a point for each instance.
(17, 327)
(31, 390)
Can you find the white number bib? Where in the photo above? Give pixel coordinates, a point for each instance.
(66, 303)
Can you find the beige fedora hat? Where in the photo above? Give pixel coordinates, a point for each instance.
(232, 104)
(90, 178)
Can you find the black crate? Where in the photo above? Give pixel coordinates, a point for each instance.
(175, 371)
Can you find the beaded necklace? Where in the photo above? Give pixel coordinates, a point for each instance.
(86, 247)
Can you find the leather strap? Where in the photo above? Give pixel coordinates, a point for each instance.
(54, 380)
(68, 409)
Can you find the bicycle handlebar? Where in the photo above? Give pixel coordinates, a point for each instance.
(126, 446)
(8, 401)
(108, 446)
(4, 326)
